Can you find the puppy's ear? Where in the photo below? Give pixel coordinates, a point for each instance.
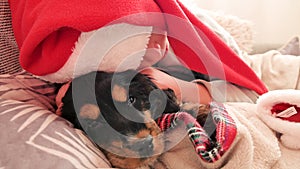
(90, 111)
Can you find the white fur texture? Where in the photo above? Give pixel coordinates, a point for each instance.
(115, 47)
(290, 130)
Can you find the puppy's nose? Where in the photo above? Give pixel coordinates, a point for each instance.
(145, 146)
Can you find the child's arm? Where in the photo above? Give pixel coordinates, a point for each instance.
(184, 90)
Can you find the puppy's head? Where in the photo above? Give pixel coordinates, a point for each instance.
(118, 112)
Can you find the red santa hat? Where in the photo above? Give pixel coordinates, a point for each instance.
(47, 32)
(280, 110)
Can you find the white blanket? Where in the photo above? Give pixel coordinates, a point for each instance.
(258, 145)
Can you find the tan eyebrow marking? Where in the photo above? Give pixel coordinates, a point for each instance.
(119, 93)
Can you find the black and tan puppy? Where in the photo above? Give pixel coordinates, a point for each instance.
(118, 112)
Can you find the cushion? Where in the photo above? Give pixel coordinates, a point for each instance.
(9, 51)
(292, 47)
(240, 29)
(32, 136)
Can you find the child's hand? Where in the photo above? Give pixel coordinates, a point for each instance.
(184, 91)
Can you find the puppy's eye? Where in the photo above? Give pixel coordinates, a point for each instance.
(131, 100)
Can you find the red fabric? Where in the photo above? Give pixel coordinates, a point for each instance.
(283, 106)
(208, 149)
(46, 31)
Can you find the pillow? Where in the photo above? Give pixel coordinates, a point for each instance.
(9, 51)
(240, 29)
(292, 47)
(32, 136)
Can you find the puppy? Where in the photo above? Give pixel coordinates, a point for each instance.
(118, 112)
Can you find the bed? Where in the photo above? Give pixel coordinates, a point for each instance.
(33, 136)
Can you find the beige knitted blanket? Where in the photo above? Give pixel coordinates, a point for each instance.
(256, 146)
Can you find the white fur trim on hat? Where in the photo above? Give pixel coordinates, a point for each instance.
(290, 130)
(116, 47)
